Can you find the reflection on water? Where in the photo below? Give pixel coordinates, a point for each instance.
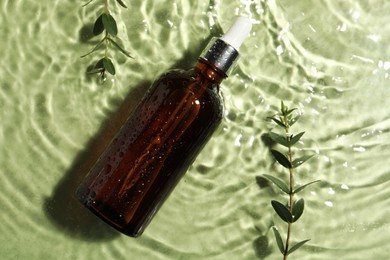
(329, 58)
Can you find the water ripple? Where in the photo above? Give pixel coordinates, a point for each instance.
(328, 58)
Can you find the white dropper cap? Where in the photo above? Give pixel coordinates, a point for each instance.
(238, 32)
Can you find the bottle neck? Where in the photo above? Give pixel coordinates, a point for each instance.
(217, 60)
(210, 71)
(221, 54)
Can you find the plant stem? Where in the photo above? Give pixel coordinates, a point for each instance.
(106, 41)
(294, 209)
(285, 254)
(106, 6)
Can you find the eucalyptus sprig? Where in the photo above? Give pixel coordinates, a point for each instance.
(291, 210)
(107, 24)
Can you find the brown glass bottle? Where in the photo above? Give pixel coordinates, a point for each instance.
(154, 148)
(157, 143)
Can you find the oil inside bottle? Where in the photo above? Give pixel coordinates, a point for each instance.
(154, 148)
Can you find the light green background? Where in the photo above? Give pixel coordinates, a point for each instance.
(331, 59)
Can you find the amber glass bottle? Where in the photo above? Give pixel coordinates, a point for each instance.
(159, 141)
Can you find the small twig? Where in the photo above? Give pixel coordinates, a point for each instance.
(293, 211)
(107, 24)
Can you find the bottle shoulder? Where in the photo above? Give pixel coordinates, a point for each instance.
(184, 79)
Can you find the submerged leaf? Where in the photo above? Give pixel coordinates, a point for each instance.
(304, 186)
(296, 138)
(279, 139)
(300, 161)
(96, 71)
(98, 27)
(109, 24)
(109, 66)
(282, 211)
(278, 239)
(120, 48)
(282, 159)
(277, 121)
(121, 3)
(297, 209)
(283, 107)
(290, 111)
(278, 182)
(98, 68)
(297, 245)
(94, 49)
(99, 64)
(87, 3)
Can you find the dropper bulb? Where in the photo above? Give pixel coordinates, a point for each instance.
(238, 32)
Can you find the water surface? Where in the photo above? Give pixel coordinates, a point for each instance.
(328, 58)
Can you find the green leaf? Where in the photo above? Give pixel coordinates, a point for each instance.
(279, 139)
(87, 3)
(281, 159)
(297, 209)
(278, 239)
(99, 64)
(95, 71)
(278, 182)
(296, 246)
(94, 49)
(299, 161)
(283, 107)
(107, 64)
(290, 111)
(98, 27)
(120, 48)
(304, 186)
(277, 121)
(296, 138)
(282, 211)
(121, 3)
(109, 24)
(99, 67)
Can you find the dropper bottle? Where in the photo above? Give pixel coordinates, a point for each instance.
(161, 138)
